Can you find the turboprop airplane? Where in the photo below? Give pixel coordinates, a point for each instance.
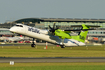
(54, 35)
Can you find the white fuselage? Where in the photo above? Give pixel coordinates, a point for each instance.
(43, 35)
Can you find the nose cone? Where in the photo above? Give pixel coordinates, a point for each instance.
(12, 29)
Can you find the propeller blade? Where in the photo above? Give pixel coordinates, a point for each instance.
(54, 26)
(50, 27)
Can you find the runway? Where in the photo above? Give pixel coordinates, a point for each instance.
(51, 59)
(17, 44)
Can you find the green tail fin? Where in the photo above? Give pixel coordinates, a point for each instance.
(82, 36)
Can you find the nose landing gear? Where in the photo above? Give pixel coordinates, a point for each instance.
(33, 44)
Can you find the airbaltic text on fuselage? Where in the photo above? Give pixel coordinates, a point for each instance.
(32, 29)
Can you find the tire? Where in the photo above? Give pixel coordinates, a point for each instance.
(33, 45)
(62, 46)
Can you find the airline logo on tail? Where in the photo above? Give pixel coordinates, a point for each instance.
(82, 37)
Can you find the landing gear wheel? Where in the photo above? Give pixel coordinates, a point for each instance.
(62, 46)
(33, 45)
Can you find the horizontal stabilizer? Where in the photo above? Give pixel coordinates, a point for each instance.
(86, 25)
(80, 30)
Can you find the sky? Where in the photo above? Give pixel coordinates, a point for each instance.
(11, 10)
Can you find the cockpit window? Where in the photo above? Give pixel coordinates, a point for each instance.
(19, 25)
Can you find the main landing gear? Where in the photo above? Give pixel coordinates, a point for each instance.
(62, 46)
(33, 44)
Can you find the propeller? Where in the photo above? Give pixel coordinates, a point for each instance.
(52, 29)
